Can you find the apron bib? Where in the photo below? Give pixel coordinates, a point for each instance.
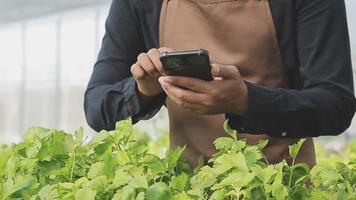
(235, 32)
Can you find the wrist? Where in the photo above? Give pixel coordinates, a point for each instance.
(146, 98)
(241, 102)
(148, 92)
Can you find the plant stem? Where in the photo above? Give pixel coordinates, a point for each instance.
(290, 174)
(72, 170)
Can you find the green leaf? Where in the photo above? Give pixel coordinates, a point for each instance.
(128, 193)
(180, 182)
(252, 155)
(199, 165)
(96, 169)
(154, 163)
(294, 149)
(139, 181)
(205, 178)
(317, 194)
(237, 179)
(257, 193)
(238, 145)
(48, 192)
(262, 144)
(263, 174)
(172, 157)
(99, 138)
(158, 191)
(99, 183)
(122, 157)
(232, 160)
(5, 153)
(324, 175)
(85, 194)
(279, 191)
(79, 136)
(299, 192)
(12, 186)
(230, 131)
(140, 196)
(121, 178)
(300, 173)
(223, 143)
(181, 196)
(218, 194)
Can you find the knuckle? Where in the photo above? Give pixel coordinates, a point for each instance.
(141, 56)
(209, 102)
(214, 92)
(153, 51)
(180, 103)
(182, 97)
(152, 71)
(133, 68)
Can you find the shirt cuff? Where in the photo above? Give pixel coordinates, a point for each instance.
(134, 106)
(261, 117)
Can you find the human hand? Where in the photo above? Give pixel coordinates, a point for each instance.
(147, 70)
(227, 93)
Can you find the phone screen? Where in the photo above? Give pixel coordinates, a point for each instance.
(195, 63)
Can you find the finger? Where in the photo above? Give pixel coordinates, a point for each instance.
(165, 49)
(154, 54)
(225, 71)
(138, 72)
(144, 61)
(197, 85)
(182, 95)
(186, 105)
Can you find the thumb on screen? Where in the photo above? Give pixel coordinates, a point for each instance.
(224, 71)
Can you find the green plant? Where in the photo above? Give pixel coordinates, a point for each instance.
(119, 164)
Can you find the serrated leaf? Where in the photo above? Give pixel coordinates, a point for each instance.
(237, 179)
(262, 144)
(294, 149)
(158, 191)
(232, 160)
(223, 143)
(218, 194)
(299, 192)
(85, 194)
(199, 165)
(279, 191)
(181, 196)
(230, 131)
(140, 196)
(180, 182)
(172, 157)
(96, 169)
(205, 178)
(263, 174)
(252, 155)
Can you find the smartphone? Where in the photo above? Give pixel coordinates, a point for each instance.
(192, 63)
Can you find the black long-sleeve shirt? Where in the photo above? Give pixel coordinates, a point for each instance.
(314, 43)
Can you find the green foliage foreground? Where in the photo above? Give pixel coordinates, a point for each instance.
(51, 164)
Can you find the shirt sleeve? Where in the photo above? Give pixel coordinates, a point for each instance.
(111, 94)
(325, 104)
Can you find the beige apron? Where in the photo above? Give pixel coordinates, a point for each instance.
(235, 32)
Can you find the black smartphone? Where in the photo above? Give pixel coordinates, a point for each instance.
(192, 63)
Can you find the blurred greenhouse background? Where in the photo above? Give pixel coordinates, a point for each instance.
(47, 51)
